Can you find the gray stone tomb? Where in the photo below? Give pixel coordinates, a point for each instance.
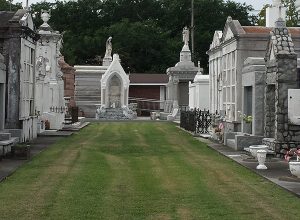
(281, 76)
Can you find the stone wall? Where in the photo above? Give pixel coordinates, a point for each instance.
(281, 76)
(69, 81)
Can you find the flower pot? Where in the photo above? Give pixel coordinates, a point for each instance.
(247, 128)
(261, 157)
(255, 148)
(295, 168)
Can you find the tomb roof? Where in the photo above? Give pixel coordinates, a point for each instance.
(148, 78)
(5, 17)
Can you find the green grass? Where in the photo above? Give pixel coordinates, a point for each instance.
(139, 171)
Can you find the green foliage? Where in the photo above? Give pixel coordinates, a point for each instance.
(9, 6)
(146, 33)
(291, 14)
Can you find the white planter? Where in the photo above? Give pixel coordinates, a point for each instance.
(255, 148)
(295, 168)
(261, 157)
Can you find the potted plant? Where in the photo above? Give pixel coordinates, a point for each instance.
(294, 165)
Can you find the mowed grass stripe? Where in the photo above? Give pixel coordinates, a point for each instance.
(139, 170)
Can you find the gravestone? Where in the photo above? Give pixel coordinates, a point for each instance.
(253, 82)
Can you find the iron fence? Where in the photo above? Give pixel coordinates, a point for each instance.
(196, 121)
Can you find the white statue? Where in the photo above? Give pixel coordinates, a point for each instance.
(186, 35)
(108, 47)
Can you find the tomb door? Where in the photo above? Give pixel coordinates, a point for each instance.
(114, 93)
(248, 100)
(248, 97)
(2, 106)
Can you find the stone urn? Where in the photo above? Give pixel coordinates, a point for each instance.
(261, 157)
(247, 128)
(295, 168)
(255, 148)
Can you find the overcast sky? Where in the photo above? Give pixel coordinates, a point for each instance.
(257, 4)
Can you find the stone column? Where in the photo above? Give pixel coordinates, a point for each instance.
(2, 91)
(175, 93)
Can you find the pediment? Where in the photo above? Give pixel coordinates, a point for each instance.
(115, 69)
(228, 34)
(216, 39)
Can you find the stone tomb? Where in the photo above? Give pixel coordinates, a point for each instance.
(114, 93)
(179, 77)
(49, 86)
(281, 76)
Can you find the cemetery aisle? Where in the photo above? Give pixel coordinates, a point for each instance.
(135, 170)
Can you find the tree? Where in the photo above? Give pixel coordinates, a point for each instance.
(146, 33)
(9, 6)
(291, 14)
(262, 16)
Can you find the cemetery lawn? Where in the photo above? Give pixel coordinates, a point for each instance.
(138, 170)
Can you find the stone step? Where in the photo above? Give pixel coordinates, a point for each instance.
(5, 136)
(231, 143)
(88, 98)
(79, 94)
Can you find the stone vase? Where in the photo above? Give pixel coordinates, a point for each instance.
(261, 157)
(295, 168)
(247, 128)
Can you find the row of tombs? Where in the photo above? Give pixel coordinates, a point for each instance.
(254, 85)
(37, 87)
(31, 78)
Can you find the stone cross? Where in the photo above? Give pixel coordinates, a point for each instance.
(276, 3)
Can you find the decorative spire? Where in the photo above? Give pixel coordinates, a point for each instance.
(199, 68)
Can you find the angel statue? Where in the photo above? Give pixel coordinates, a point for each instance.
(108, 47)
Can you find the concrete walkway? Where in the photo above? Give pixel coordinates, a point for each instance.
(10, 165)
(277, 172)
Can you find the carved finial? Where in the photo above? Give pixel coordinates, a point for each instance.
(280, 23)
(199, 68)
(45, 15)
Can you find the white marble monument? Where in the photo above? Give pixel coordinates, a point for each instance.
(198, 98)
(179, 77)
(49, 84)
(114, 93)
(2, 91)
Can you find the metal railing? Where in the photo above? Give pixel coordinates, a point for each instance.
(196, 121)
